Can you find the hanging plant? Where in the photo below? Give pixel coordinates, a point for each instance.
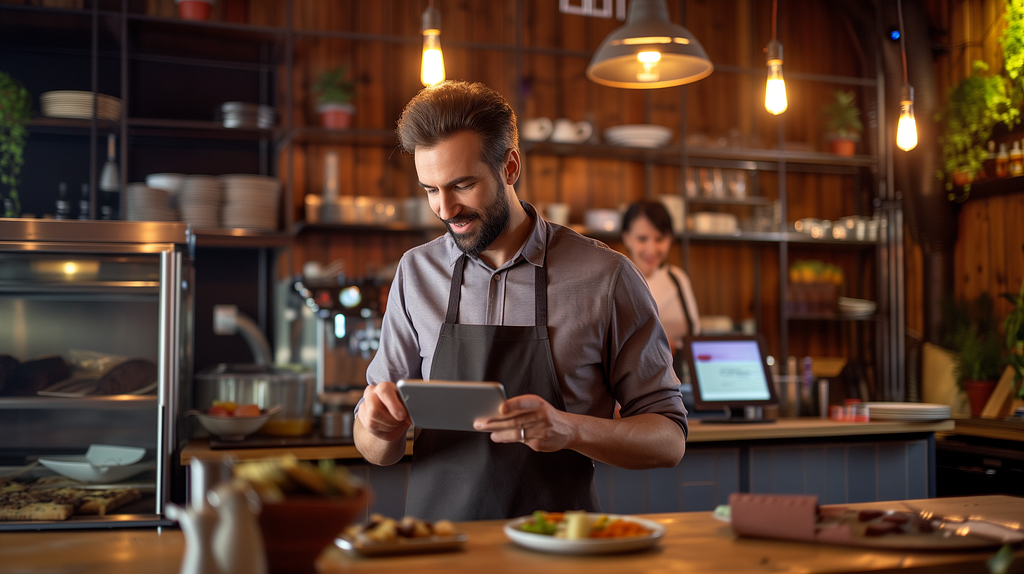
(14, 114)
(1012, 41)
(973, 107)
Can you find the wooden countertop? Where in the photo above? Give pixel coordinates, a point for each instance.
(806, 428)
(693, 542)
(987, 428)
(699, 432)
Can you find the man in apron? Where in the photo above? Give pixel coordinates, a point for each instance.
(566, 324)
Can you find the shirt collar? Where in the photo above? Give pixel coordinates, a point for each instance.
(533, 250)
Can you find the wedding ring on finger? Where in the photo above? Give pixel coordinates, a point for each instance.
(522, 434)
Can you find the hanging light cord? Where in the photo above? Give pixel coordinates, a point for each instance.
(775, 11)
(903, 47)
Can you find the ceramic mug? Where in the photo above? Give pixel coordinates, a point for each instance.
(568, 131)
(557, 213)
(537, 129)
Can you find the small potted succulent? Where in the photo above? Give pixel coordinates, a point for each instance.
(14, 113)
(334, 98)
(842, 124)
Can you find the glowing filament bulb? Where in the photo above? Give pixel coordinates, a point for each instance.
(906, 129)
(775, 90)
(650, 61)
(432, 68)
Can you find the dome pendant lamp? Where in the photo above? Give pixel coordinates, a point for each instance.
(649, 52)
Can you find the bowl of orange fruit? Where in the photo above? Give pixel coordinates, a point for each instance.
(231, 421)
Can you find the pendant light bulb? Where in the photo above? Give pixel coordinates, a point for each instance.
(649, 61)
(432, 65)
(906, 130)
(775, 89)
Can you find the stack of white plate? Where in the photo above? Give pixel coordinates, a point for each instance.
(638, 135)
(855, 307)
(879, 411)
(147, 204)
(78, 104)
(169, 182)
(251, 201)
(200, 200)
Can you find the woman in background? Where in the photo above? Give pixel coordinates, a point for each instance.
(647, 234)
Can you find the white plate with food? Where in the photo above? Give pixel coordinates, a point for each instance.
(383, 536)
(401, 545)
(637, 533)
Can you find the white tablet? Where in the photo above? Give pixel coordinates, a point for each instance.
(450, 405)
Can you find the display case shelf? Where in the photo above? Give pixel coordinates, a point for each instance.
(241, 238)
(110, 402)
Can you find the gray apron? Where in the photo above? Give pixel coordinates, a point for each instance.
(463, 475)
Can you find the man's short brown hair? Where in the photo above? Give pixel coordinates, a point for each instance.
(439, 112)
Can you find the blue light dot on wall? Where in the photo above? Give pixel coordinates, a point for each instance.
(894, 35)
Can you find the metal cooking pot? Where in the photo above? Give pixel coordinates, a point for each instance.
(246, 383)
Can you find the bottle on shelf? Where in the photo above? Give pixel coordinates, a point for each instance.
(989, 165)
(63, 203)
(1016, 161)
(1002, 162)
(83, 203)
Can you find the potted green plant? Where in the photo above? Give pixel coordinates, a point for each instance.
(334, 98)
(1013, 326)
(972, 334)
(14, 113)
(973, 107)
(842, 124)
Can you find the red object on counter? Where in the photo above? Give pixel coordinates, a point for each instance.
(297, 529)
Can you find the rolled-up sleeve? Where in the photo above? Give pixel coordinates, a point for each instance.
(398, 356)
(640, 373)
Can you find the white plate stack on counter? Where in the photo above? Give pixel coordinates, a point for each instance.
(894, 411)
(251, 201)
(200, 201)
(144, 203)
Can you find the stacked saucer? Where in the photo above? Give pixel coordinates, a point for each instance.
(882, 411)
(147, 204)
(200, 200)
(251, 201)
(638, 135)
(77, 104)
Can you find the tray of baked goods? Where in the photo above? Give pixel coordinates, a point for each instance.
(107, 483)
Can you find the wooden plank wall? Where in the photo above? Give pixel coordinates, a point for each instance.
(989, 255)
(733, 32)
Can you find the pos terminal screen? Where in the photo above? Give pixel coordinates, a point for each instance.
(729, 371)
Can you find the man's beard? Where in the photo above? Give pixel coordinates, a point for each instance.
(493, 220)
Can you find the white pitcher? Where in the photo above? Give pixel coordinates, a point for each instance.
(222, 537)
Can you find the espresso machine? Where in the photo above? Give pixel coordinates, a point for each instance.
(331, 323)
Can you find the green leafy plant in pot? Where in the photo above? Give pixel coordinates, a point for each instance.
(1013, 326)
(334, 98)
(972, 334)
(14, 113)
(973, 108)
(842, 124)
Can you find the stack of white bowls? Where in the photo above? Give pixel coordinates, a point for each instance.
(251, 201)
(200, 200)
(638, 135)
(144, 203)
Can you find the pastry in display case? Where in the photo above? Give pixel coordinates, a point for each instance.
(95, 371)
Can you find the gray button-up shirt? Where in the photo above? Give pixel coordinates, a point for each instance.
(606, 340)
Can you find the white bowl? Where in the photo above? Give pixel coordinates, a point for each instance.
(234, 428)
(77, 467)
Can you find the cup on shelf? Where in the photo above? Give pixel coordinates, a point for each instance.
(194, 9)
(568, 131)
(537, 129)
(557, 213)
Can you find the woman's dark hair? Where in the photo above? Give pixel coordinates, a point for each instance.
(439, 112)
(654, 211)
